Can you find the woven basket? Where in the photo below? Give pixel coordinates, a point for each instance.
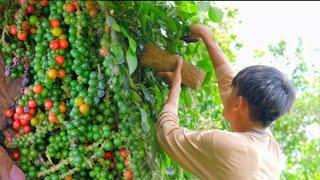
(161, 61)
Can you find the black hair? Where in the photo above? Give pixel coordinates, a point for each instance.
(267, 90)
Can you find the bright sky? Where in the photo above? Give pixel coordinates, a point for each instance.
(264, 23)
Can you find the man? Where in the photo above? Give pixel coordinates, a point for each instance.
(252, 100)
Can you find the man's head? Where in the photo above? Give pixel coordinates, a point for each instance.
(260, 95)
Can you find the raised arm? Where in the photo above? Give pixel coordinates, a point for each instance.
(222, 68)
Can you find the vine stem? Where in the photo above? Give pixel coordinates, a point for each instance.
(68, 160)
(56, 167)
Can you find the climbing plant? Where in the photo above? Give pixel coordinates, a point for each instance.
(87, 108)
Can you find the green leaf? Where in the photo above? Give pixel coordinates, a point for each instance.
(207, 78)
(132, 61)
(171, 24)
(143, 21)
(205, 65)
(131, 53)
(203, 5)
(187, 99)
(215, 14)
(144, 121)
(132, 44)
(116, 50)
(110, 21)
(188, 7)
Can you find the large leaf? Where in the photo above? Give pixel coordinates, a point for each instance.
(131, 53)
(110, 21)
(116, 50)
(215, 14)
(188, 7)
(131, 60)
(171, 24)
(144, 121)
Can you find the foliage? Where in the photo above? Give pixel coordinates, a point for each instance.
(95, 107)
(106, 104)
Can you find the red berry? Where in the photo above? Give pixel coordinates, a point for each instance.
(25, 120)
(59, 60)
(44, 2)
(123, 153)
(52, 118)
(108, 155)
(63, 44)
(127, 163)
(18, 135)
(33, 30)
(62, 108)
(37, 89)
(13, 30)
(70, 7)
(61, 73)
(15, 155)
(54, 44)
(128, 175)
(22, 36)
(48, 104)
(16, 125)
(27, 129)
(25, 26)
(29, 9)
(9, 113)
(19, 110)
(32, 111)
(55, 23)
(32, 103)
(16, 117)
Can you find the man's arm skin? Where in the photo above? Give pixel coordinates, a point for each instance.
(217, 56)
(222, 68)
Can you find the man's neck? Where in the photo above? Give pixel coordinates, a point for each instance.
(249, 126)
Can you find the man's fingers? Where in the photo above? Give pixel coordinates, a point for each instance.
(162, 74)
(165, 74)
(168, 75)
(179, 64)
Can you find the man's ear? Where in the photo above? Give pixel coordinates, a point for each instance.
(240, 102)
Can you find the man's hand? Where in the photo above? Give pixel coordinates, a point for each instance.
(198, 31)
(174, 77)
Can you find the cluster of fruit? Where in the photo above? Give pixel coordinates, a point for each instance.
(77, 116)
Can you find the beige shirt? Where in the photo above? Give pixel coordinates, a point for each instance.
(218, 154)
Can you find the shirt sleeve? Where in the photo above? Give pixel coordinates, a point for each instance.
(190, 149)
(225, 75)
